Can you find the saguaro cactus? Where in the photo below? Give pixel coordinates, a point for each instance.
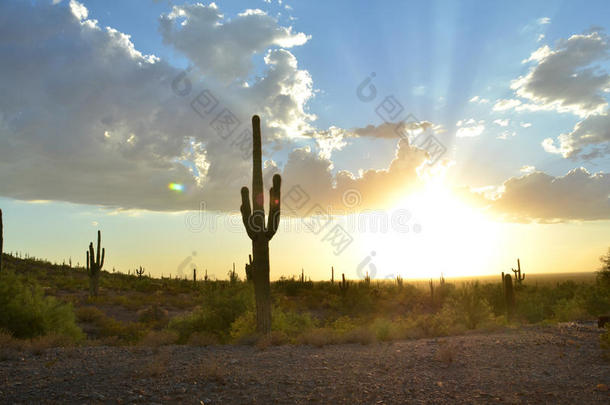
(94, 265)
(332, 274)
(139, 272)
(344, 284)
(518, 277)
(253, 217)
(509, 296)
(1, 239)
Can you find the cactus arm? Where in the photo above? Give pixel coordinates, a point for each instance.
(88, 262)
(246, 212)
(257, 172)
(103, 255)
(91, 258)
(273, 221)
(99, 242)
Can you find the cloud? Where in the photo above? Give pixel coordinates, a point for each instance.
(564, 79)
(590, 138)
(87, 118)
(506, 104)
(543, 20)
(479, 100)
(506, 134)
(469, 128)
(223, 48)
(537, 196)
(527, 169)
(525, 124)
(502, 123)
(309, 173)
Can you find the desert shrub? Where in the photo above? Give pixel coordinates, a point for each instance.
(220, 310)
(318, 337)
(110, 328)
(569, 309)
(25, 312)
(382, 328)
(291, 324)
(467, 307)
(154, 315)
(361, 334)
(202, 339)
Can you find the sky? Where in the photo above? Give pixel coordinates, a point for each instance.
(413, 138)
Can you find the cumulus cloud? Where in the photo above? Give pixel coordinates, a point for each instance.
(221, 47)
(537, 196)
(564, 79)
(501, 122)
(590, 138)
(469, 128)
(506, 104)
(309, 173)
(87, 118)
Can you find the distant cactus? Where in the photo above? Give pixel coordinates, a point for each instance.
(344, 284)
(139, 272)
(95, 265)
(249, 269)
(518, 278)
(332, 275)
(509, 296)
(431, 284)
(367, 279)
(399, 281)
(205, 277)
(253, 217)
(233, 277)
(302, 276)
(1, 239)
(194, 276)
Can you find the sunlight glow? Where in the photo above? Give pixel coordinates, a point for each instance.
(455, 239)
(176, 187)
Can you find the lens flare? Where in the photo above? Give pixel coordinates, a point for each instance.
(176, 187)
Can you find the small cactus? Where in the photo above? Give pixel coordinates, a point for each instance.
(399, 281)
(194, 276)
(344, 284)
(518, 277)
(95, 265)
(139, 272)
(332, 275)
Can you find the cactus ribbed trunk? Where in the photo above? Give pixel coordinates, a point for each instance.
(509, 296)
(95, 265)
(253, 217)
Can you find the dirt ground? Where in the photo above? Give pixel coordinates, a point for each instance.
(540, 365)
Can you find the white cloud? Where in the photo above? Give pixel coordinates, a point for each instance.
(479, 100)
(469, 128)
(223, 47)
(544, 20)
(590, 138)
(527, 169)
(502, 122)
(526, 124)
(506, 104)
(506, 134)
(537, 196)
(563, 79)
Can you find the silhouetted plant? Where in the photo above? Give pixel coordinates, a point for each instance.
(253, 217)
(233, 277)
(399, 281)
(332, 275)
(139, 272)
(249, 269)
(518, 278)
(344, 284)
(509, 296)
(95, 265)
(195, 276)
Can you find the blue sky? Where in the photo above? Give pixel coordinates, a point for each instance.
(93, 132)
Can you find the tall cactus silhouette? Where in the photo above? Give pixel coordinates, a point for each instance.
(95, 265)
(249, 269)
(139, 272)
(509, 296)
(518, 277)
(253, 217)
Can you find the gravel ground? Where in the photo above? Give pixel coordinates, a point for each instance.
(542, 365)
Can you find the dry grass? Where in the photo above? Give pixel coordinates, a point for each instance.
(275, 338)
(159, 338)
(361, 335)
(202, 339)
(318, 337)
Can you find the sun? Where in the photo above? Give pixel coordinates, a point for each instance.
(445, 235)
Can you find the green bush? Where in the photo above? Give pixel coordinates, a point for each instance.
(467, 307)
(289, 323)
(220, 309)
(26, 313)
